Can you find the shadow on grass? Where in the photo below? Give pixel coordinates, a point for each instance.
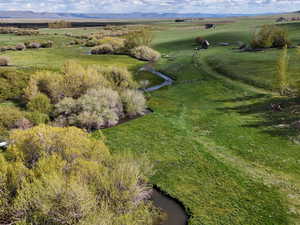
(244, 98)
(279, 115)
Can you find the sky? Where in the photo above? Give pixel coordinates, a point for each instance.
(161, 6)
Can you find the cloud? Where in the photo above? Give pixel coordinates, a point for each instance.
(180, 6)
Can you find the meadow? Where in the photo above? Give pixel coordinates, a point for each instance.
(215, 141)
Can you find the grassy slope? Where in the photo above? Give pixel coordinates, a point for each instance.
(215, 145)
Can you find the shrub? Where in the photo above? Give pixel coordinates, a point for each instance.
(280, 38)
(31, 90)
(40, 103)
(62, 176)
(7, 30)
(137, 38)
(12, 84)
(118, 77)
(116, 43)
(102, 49)
(91, 43)
(4, 61)
(263, 38)
(47, 44)
(84, 97)
(270, 36)
(134, 102)
(77, 79)
(74, 81)
(49, 83)
(145, 53)
(10, 117)
(94, 110)
(37, 118)
(20, 47)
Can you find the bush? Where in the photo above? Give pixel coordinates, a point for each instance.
(145, 53)
(62, 176)
(12, 84)
(280, 38)
(116, 43)
(4, 61)
(7, 30)
(47, 44)
(49, 83)
(94, 110)
(117, 77)
(77, 79)
(10, 117)
(91, 43)
(137, 38)
(40, 103)
(85, 97)
(263, 38)
(73, 82)
(37, 118)
(20, 47)
(134, 102)
(270, 36)
(31, 90)
(102, 49)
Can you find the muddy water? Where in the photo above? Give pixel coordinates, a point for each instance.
(175, 212)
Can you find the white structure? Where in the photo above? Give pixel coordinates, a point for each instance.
(3, 144)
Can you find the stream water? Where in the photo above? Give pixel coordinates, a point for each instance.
(176, 214)
(167, 80)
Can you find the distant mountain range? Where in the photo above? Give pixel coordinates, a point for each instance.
(135, 15)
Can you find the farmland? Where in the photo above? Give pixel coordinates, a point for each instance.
(214, 140)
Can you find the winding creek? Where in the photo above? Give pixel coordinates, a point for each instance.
(176, 214)
(168, 81)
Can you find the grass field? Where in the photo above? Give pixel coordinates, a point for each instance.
(216, 144)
